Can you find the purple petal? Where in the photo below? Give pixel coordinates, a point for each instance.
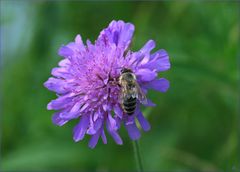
(60, 72)
(145, 75)
(161, 85)
(93, 141)
(91, 130)
(118, 111)
(107, 106)
(57, 120)
(126, 35)
(78, 40)
(149, 103)
(97, 114)
(65, 51)
(129, 119)
(116, 137)
(143, 122)
(94, 126)
(104, 138)
(73, 113)
(112, 127)
(111, 122)
(134, 57)
(159, 61)
(64, 63)
(61, 102)
(143, 55)
(84, 107)
(76, 107)
(118, 33)
(118, 121)
(147, 47)
(57, 85)
(133, 131)
(58, 104)
(98, 124)
(81, 128)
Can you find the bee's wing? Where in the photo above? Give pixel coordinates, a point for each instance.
(140, 94)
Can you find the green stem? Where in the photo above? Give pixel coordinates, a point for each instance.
(137, 156)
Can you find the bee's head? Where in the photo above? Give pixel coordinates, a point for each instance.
(125, 70)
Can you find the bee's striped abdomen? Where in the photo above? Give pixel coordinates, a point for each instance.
(129, 105)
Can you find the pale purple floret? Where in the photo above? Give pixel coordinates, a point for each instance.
(86, 83)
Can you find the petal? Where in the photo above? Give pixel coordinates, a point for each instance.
(159, 61)
(143, 122)
(147, 47)
(64, 63)
(150, 103)
(81, 128)
(129, 119)
(161, 85)
(57, 120)
(84, 107)
(112, 127)
(91, 130)
(98, 124)
(125, 36)
(142, 56)
(118, 111)
(61, 102)
(58, 104)
(111, 122)
(145, 75)
(118, 121)
(65, 51)
(94, 126)
(116, 137)
(93, 141)
(78, 40)
(60, 72)
(133, 131)
(76, 107)
(107, 106)
(134, 57)
(118, 33)
(73, 113)
(104, 138)
(57, 85)
(97, 114)
(75, 49)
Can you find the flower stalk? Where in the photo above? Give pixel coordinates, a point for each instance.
(137, 156)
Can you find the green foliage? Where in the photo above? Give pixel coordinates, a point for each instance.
(194, 125)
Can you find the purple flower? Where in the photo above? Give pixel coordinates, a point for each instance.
(86, 83)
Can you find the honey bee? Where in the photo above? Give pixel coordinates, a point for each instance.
(130, 91)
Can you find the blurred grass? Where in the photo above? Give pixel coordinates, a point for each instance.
(194, 125)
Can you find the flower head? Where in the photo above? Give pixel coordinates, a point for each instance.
(87, 86)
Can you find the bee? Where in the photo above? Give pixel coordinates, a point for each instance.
(130, 91)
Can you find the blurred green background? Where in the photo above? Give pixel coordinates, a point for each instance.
(194, 125)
